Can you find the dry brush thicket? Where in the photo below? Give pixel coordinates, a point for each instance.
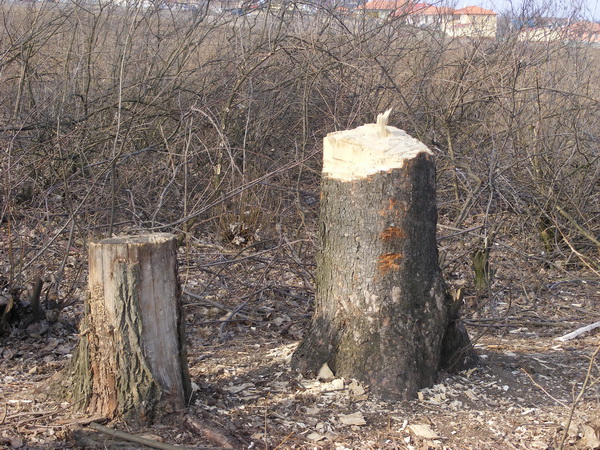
(118, 119)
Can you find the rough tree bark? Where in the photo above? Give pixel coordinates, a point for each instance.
(382, 314)
(131, 360)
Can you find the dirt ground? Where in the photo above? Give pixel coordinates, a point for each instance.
(527, 387)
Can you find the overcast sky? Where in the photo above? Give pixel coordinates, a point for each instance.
(591, 8)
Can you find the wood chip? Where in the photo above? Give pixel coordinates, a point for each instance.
(469, 393)
(325, 373)
(423, 431)
(315, 437)
(352, 419)
(237, 389)
(591, 436)
(356, 388)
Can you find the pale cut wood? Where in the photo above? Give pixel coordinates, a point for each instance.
(131, 360)
(382, 122)
(578, 332)
(367, 150)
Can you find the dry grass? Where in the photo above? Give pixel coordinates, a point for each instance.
(121, 121)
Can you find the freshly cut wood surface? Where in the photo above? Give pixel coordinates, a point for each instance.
(371, 148)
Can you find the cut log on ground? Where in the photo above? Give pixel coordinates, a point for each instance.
(382, 314)
(131, 360)
(578, 332)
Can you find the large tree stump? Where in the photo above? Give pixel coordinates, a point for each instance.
(382, 314)
(131, 360)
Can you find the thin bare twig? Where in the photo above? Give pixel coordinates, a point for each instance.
(542, 388)
(205, 302)
(586, 382)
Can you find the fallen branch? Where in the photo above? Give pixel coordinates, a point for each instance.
(140, 440)
(516, 323)
(211, 434)
(544, 390)
(590, 237)
(205, 302)
(5, 413)
(80, 422)
(37, 414)
(573, 280)
(577, 332)
(230, 317)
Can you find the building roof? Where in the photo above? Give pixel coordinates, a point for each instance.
(384, 5)
(400, 7)
(437, 11)
(414, 7)
(423, 9)
(475, 11)
(585, 27)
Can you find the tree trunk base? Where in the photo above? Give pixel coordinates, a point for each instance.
(382, 315)
(131, 360)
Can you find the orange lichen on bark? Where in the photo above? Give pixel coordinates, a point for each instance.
(389, 261)
(391, 206)
(392, 233)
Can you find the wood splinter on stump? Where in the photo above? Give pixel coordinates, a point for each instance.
(382, 314)
(131, 360)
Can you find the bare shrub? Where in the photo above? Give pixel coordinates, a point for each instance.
(117, 118)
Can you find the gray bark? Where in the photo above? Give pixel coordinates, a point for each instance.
(382, 310)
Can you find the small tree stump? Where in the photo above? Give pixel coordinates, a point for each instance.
(382, 310)
(131, 360)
